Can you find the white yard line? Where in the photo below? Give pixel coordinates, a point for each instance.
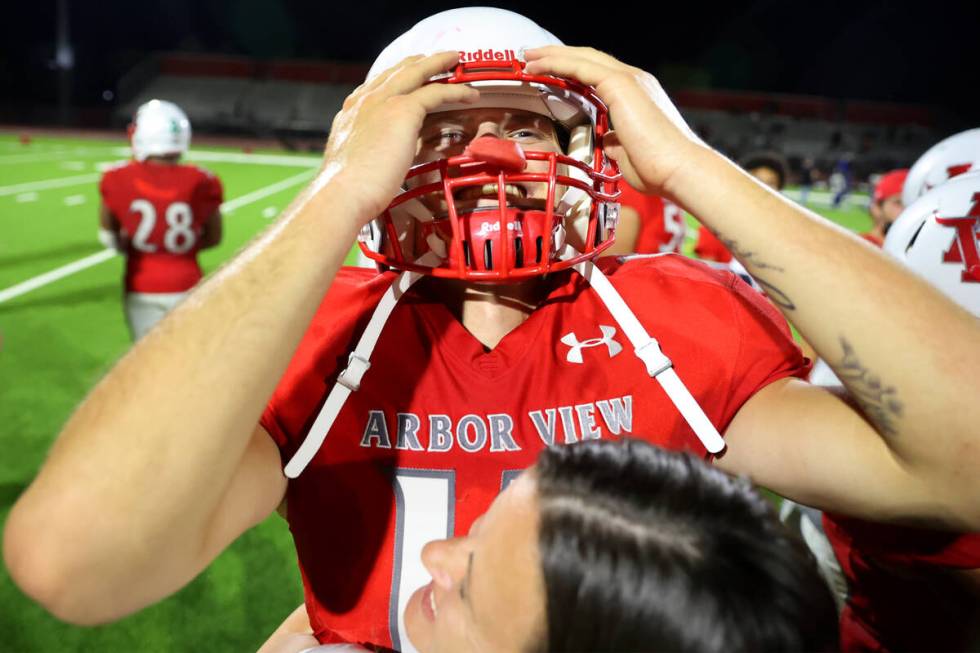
(106, 254)
(60, 182)
(300, 161)
(55, 155)
(54, 275)
(255, 196)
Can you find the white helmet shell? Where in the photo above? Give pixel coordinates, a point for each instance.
(936, 236)
(488, 34)
(949, 157)
(160, 128)
(477, 33)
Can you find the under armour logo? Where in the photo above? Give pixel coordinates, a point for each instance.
(576, 347)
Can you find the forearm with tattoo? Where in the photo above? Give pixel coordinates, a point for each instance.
(878, 401)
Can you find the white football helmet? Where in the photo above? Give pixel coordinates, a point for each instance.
(936, 236)
(159, 128)
(948, 158)
(506, 241)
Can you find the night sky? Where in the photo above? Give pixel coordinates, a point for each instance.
(923, 52)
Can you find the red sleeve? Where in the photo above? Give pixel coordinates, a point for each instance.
(766, 349)
(710, 248)
(109, 190)
(903, 545)
(629, 196)
(873, 239)
(321, 355)
(209, 195)
(650, 208)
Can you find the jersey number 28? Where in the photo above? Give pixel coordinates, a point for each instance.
(179, 237)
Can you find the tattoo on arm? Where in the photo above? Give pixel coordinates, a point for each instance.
(878, 401)
(775, 295)
(747, 256)
(750, 258)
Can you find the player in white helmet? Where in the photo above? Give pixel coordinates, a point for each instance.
(401, 411)
(943, 221)
(948, 158)
(160, 213)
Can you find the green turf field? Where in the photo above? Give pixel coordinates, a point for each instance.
(58, 338)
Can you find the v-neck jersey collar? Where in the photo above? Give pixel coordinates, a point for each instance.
(512, 352)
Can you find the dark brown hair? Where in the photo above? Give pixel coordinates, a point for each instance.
(644, 549)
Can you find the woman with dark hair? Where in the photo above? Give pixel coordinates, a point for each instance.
(620, 546)
(647, 549)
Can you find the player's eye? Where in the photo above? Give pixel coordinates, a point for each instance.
(452, 136)
(445, 137)
(526, 134)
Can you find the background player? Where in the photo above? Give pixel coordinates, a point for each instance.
(915, 589)
(648, 224)
(496, 371)
(160, 213)
(886, 205)
(768, 167)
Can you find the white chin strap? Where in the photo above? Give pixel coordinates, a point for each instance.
(646, 348)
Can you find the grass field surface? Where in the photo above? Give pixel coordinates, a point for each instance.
(60, 332)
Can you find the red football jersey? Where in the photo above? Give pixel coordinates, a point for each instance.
(874, 239)
(901, 596)
(662, 224)
(439, 425)
(163, 210)
(710, 248)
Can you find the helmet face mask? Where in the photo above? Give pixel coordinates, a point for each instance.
(493, 205)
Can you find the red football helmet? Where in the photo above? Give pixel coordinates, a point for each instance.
(428, 228)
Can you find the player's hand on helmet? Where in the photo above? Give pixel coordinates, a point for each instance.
(651, 141)
(374, 137)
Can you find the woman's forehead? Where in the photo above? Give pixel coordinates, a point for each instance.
(488, 114)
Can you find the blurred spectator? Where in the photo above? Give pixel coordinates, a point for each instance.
(806, 179)
(768, 167)
(886, 205)
(841, 180)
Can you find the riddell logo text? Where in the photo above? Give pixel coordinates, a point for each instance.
(486, 55)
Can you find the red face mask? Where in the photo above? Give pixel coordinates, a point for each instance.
(509, 240)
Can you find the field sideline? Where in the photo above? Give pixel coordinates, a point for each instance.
(59, 336)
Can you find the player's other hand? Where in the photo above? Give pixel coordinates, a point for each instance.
(374, 137)
(651, 141)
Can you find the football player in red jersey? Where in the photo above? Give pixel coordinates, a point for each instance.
(455, 384)
(917, 589)
(160, 213)
(648, 224)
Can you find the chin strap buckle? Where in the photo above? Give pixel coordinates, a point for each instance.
(654, 359)
(351, 377)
